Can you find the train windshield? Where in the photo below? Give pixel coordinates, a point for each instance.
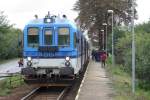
(63, 37)
(48, 36)
(33, 37)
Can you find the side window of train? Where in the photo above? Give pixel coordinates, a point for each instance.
(76, 40)
(48, 37)
(33, 37)
(63, 36)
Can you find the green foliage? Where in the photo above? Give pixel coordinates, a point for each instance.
(121, 82)
(123, 50)
(123, 54)
(109, 59)
(8, 84)
(4, 23)
(143, 28)
(8, 39)
(118, 33)
(4, 89)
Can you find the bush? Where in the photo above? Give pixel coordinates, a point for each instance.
(6, 85)
(142, 55)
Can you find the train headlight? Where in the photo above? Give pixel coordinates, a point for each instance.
(48, 20)
(29, 58)
(67, 58)
(67, 63)
(29, 63)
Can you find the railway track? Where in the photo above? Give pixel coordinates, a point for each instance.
(46, 93)
(55, 92)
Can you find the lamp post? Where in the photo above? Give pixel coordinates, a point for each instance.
(102, 32)
(105, 25)
(112, 13)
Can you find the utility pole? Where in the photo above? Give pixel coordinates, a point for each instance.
(133, 48)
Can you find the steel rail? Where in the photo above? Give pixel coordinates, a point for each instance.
(30, 94)
(62, 94)
(33, 94)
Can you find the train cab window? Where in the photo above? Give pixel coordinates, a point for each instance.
(63, 36)
(33, 37)
(48, 37)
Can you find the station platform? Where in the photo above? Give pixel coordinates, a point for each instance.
(95, 85)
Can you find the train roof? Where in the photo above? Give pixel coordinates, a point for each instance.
(57, 21)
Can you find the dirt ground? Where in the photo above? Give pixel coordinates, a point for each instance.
(18, 93)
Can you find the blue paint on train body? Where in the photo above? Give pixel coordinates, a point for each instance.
(59, 23)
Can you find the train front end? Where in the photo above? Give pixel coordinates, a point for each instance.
(49, 50)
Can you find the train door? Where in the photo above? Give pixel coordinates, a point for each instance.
(77, 47)
(85, 51)
(82, 52)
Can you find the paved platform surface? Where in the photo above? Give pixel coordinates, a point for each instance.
(96, 85)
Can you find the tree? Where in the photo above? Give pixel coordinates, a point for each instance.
(123, 49)
(92, 13)
(95, 11)
(8, 38)
(4, 23)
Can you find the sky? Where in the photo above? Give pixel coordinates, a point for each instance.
(143, 9)
(19, 12)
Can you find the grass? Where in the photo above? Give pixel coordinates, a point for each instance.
(122, 85)
(8, 84)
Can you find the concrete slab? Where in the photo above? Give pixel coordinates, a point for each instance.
(96, 85)
(9, 67)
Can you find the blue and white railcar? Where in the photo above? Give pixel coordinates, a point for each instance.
(53, 46)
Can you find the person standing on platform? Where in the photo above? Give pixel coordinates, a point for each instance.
(92, 54)
(103, 58)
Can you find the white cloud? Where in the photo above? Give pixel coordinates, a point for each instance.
(21, 11)
(143, 9)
